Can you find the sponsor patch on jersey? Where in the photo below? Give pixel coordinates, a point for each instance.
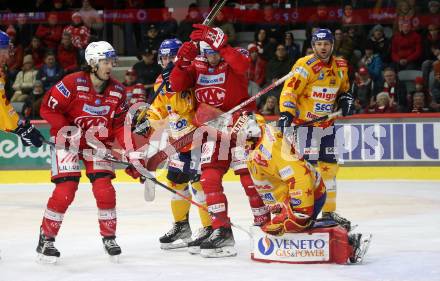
(302, 72)
(312, 60)
(81, 80)
(96, 110)
(341, 63)
(177, 164)
(311, 151)
(324, 93)
(263, 187)
(289, 104)
(115, 94)
(265, 152)
(119, 88)
(322, 107)
(214, 96)
(217, 208)
(268, 197)
(260, 161)
(62, 89)
(321, 76)
(83, 97)
(295, 202)
(82, 88)
(178, 125)
(296, 193)
(286, 172)
(332, 82)
(317, 67)
(310, 115)
(207, 80)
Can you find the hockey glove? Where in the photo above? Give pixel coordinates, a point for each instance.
(215, 37)
(28, 134)
(346, 103)
(187, 52)
(141, 124)
(133, 172)
(285, 121)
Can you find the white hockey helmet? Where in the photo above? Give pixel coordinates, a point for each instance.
(100, 50)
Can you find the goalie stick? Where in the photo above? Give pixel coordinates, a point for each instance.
(150, 177)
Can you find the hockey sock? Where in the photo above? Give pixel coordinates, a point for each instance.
(201, 199)
(179, 206)
(105, 196)
(259, 210)
(328, 172)
(211, 181)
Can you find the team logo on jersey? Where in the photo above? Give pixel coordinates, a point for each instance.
(62, 89)
(302, 72)
(323, 107)
(206, 80)
(98, 101)
(119, 88)
(266, 246)
(115, 94)
(86, 122)
(324, 93)
(214, 96)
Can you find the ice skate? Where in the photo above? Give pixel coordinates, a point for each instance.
(111, 248)
(201, 235)
(219, 244)
(360, 246)
(177, 237)
(47, 253)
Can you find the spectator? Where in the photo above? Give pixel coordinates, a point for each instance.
(24, 30)
(25, 80)
(277, 67)
(435, 88)
(293, 49)
(343, 45)
(67, 54)
(381, 44)
(37, 51)
(419, 103)
(147, 70)
(135, 91)
(270, 107)
(58, 6)
(31, 108)
(434, 12)
(352, 23)
(226, 25)
(261, 41)
(372, 62)
(15, 60)
(50, 73)
(50, 32)
(257, 67)
(363, 90)
(168, 25)
(185, 27)
(92, 19)
(406, 13)
(151, 41)
(406, 47)
(396, 90)
(80, 34)
(321, 18)
(272, 26)
(383, 104)
(431, 50)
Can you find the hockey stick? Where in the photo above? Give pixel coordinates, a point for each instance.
(150, 177)
(154, 161)
(319, 119)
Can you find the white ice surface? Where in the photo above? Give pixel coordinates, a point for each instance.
(404, 218)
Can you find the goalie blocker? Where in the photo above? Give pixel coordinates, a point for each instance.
(323, 244)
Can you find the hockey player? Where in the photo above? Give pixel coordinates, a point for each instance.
(319, 86)
(289, 185)
(218, 77)
(86, 106)
(9, 120)
(183, 168)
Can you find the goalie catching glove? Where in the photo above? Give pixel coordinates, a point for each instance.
(286, 220)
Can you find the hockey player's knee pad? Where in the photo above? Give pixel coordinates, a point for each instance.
(178, 177)
(198, 192)
(211, 180)
(62, 196)
(104, 193)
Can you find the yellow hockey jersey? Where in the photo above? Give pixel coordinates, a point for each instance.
(177, 107)
(312, 91)
(8, 116)
(278, 173)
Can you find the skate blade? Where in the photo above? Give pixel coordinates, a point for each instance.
(364, 249)
(228, 251)
(114, 259)
(194, 250)
(42, 259)
(178, 244)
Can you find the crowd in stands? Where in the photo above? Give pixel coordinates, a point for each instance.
(378, 55)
